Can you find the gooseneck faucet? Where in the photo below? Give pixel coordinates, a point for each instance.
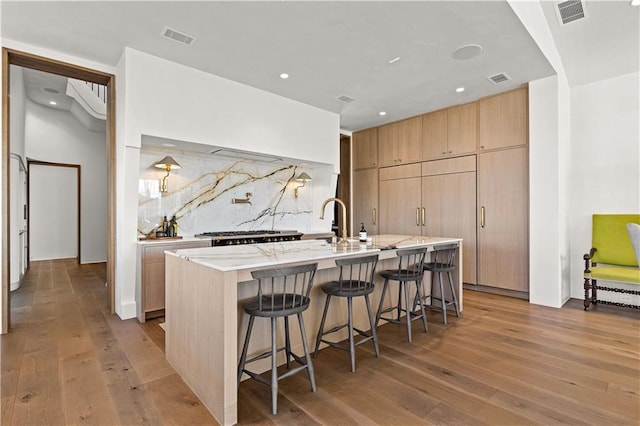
(345, 238)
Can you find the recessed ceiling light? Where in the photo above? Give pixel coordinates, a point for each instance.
(460, 89)
(635, 2)
(382, 113)
(53, 103)
(284, 76)
(396, 59)
(467, 51)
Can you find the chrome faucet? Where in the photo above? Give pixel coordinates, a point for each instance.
(345, 238)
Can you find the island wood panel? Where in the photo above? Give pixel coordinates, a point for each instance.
(503, 238)
(365, 200)
(462, 129)
(365, 149)
(434, 134)
(201, 333)
(504, 120)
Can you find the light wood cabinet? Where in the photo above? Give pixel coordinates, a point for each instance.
(400, 142)
(449, 132)
(503, 120)
(365, 149)
(150, 296)
(400, 198)
(503, 228)
(365, 200)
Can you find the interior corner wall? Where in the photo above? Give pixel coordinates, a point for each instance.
(56, 136)
(605, 152)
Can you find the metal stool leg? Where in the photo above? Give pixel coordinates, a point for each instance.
(352, 345)
(306, 353)
(243, 357)
(287, 342)
(274, 369)
(321, 331)
(453, 294)
(373, 326)
(384, 291)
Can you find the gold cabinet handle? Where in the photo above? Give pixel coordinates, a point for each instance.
(374, 216)
(482, 216)
(417, 216)
(424, 215)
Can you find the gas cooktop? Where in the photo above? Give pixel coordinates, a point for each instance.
(226, 238)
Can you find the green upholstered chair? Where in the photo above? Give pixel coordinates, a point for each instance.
(613, 250)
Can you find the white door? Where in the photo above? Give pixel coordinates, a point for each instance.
(53, 209)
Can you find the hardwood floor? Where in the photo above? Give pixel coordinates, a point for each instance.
(504, 362)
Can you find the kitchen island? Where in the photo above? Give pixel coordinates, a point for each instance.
(204, 318)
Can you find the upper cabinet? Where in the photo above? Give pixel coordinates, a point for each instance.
(449, 132)
(503, 120)
(365, 149)
(400, 142)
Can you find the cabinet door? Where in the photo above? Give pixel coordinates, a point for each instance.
(462, 125)
(410, 140)
(431, 203)
(388, 144)
(400, 206)
(365, 149)
(503, 120)
(365, 200)
(153, 286)
(503, 219)
(434, 135)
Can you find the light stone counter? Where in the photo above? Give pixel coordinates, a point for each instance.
(205, 323)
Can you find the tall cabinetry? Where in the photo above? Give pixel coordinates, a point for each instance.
(400, 142)
(365, 180)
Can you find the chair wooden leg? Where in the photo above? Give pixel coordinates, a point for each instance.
(453, 295)
(321, 330)
(384, 291)
(443, 302)
(587, 300)
(405, 285)
(400, 301)
(287, 342)
(274, 369)
(307, 356)
(373, 326)
(420, 298)
(245, 347)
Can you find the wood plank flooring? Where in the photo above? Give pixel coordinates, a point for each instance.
(504, 362)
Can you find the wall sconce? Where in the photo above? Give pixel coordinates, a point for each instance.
(302, 177)
(166, 163)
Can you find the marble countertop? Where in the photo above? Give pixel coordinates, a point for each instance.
(253, 256)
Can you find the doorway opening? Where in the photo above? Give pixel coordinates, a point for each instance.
(26, 60)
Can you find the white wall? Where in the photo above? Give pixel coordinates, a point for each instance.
(53, 211)
(605, 152)
(160, 98)
(56, 136)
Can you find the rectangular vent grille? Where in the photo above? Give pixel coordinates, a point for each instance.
(571, 10)
(499, 78)
(178, 36)
(345, 98)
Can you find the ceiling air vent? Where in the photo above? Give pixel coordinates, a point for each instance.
(499, 78)
(570, 11)
(178, 36)
(345, 98)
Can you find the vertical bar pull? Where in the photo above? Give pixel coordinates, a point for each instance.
(417, 216)
(482, 216)
(424, 216)
(375, 216)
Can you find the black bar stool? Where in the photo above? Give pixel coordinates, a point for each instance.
(281, 292)
(443, 261)
(410, 269)
(355, 280)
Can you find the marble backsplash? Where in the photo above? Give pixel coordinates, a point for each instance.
(200, 194)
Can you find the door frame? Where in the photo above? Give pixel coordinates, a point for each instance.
(78, 202)
(40, 63)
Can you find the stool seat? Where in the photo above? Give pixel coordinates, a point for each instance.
(355, 280)
(410, 269)
(282, 292)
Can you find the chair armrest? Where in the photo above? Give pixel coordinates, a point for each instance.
(587, 260)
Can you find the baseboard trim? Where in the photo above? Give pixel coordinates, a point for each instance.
(494, 290)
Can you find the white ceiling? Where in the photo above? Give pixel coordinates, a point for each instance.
(336, 48)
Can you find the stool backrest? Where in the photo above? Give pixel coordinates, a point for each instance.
(284, 288)
(356, 272)
(411, 261)
(444, 255)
